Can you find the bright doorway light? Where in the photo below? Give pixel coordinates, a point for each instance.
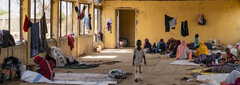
(100, 57)
(117, 51)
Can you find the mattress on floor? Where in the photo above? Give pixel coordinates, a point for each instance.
(217, 77)
(184, 62)
(69, 78)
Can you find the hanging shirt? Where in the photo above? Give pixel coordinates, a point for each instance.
(43, 30)
(109, 25)
(71, 41)
(173, 23)
(167, 19)
(184, 29)
(87, 22)
(35, 40)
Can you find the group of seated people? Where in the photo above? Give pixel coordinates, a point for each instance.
(161, 47)
(176, 48)
(180, 50)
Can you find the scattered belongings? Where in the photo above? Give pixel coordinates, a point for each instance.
(187, 79)
(117, 74)
(201, 71)
(72, 61)
(11, 64)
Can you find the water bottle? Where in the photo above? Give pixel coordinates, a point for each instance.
(216, 61)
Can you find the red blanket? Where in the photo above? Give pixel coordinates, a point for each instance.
(45, 67)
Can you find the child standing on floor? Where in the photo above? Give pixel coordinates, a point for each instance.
(196, 41)
(137, 60)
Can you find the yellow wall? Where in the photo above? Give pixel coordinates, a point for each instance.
(84, 48)
(127, 26)
(222, 16)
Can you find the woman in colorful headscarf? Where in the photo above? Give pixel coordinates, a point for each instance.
(183, 51)
(44, 67)
(147, 46)
(202, 49)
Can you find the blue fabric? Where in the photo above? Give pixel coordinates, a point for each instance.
(35, 40)
(87, 22)
(196, 42)
(38, 77)
(159, 43)
(159, 47)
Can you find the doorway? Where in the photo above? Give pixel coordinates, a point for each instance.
(126, 27)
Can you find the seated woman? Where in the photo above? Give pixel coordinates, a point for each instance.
(154, 47)
(202, 49)
(161, 46)
(224, 68)
(44, 67)
(171, 44)
(183, 51)
(230, 57)
(173, 54)
(147, 46)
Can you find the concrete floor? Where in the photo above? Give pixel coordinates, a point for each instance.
(158, 71)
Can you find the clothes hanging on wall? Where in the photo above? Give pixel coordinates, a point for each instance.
(71, 41)
(43, 31)
(173, 23)
(109, 25)
(184, 29)
(87, 22)
(27, 24)
(35, 44)
(167, 26)
(90, 25)
(202, 20)
(83, 12)
(76, 9)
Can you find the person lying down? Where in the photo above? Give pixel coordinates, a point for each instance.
(225, 67)
(232, 79)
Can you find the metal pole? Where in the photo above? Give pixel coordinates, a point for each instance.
(72, 16)
(51, 19)
(43, 6)
(60, 18)
(79, 12)
(20, 21)
(34, 11)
